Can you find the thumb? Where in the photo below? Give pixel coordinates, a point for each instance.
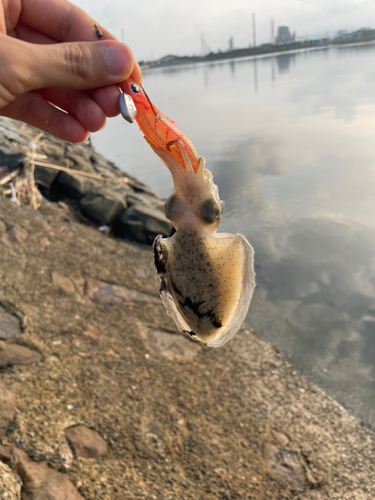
(74, 65)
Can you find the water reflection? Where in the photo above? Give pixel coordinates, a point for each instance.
(284, 61)
(318, 300)
(255, 75)
(253, 159)
(289, 139)
(232, 66)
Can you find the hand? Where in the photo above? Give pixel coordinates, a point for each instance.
(50, 58)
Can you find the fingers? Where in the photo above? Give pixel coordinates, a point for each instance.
(2, 19)
(60, 20)
(107, 99)
(136, 74)
(68, 73)
(77, 104)
(28, 34)
(33, 109)
(81, 65)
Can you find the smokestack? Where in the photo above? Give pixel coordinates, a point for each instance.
(272, 32)
(254, 32)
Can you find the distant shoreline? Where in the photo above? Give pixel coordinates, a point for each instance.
(252, 53)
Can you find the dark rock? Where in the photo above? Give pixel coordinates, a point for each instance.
(133, 198)
(10, 158)
(102, 207)
(73, 186)
(171, 345)
(15, 234)
(8, 391)
(44, 176)
(121, 190)
(85, 442)
(105, 167)
(63, 282)
(285, 465)
(39, 481)
(9, 325)
(79, 155)
(14, 354)
(139, 187)
(142, 223)
(55, 151)
(80, 163)
(105, 294)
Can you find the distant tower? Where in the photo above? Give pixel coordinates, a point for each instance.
(284, 36)
(272, 32)
(231, 44)
(254, 32)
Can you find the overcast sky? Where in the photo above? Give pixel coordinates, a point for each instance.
(154, 28)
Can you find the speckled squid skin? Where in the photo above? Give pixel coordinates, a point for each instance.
(203, 281)
(207, 278)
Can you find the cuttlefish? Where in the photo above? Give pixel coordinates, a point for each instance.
(207, 278)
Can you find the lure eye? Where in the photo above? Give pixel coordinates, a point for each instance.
(134, 88)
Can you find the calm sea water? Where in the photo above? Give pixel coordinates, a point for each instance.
(290, 140)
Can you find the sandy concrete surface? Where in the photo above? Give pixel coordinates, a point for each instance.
(180, 420)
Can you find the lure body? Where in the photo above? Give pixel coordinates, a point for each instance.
(157, 128)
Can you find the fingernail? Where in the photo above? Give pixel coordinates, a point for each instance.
(119, 59)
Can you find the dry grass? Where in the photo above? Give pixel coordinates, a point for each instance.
(20, 185)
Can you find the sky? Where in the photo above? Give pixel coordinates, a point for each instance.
(155, 28)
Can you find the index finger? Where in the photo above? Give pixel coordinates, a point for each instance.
(61, 20)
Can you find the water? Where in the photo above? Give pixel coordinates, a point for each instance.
(290, 140)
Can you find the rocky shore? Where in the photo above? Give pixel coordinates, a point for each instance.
(97, 191)
(100, 396)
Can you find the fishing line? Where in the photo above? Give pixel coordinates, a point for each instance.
(98, 32)
(88, 7)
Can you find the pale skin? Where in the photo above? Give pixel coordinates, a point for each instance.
(50, 56)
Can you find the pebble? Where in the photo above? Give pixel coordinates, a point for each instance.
(8, 391)
(63, 282)
(39, 481)
(15, 235)
(285, 466)
(10, 484)
(140, 273)
(9, 325)
(171, 345)
(85, 442)
(105, 294)
(15, 354)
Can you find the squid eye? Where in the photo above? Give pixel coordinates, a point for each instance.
(209, 211)
(173, 208)
(134, 88)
